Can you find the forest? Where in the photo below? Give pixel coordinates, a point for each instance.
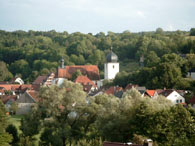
(168, 55)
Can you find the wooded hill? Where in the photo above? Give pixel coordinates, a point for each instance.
(33, 53)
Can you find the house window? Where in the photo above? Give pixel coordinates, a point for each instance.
(180, 100)
(177, 101)
(113, 66)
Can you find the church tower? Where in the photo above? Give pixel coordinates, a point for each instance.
(111, 67)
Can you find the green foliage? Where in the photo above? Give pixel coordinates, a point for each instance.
(5, 138)
(66, 118)
(50, 137)
(13, 108)
(12, 130)
(93, 142)
(25, 141)
(192, 31)
(4, 72)
(76, 74)
(138, 139)
(34, 53)
(63, 111)
(20, 66)
(30, 125)
(121, 79)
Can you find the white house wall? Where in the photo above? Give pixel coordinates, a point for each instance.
(174, 96)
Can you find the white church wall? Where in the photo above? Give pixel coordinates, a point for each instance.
(110, 70)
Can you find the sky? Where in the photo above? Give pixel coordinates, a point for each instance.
(94, 16)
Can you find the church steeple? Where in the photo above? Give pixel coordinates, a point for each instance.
(111, 57)
(111, 67)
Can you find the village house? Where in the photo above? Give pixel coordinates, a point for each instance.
(115, 90)
(88, 85)
(173, 96)
(26, 101)
(8, 100)
(151, 93)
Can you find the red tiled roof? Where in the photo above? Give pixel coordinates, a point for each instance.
(84, 80)
(166, 92)
(39, 80)
(16, 87)
(34, 94)
(10, 86)
(6, 98)
(113, 89)
(91, 71)
(150, 92)
(159, 91)
(192, 101)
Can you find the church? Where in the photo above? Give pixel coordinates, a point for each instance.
(111, 68)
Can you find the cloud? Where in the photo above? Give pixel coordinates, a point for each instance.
(141, 14)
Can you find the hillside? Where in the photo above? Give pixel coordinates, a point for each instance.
(33, 53)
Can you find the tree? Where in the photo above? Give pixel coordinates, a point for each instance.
(14, 108)
(5, 75)
(20, 66)
(30, 125)
(192, 31)
(25, 141)
(159, 30)
(168, 75)
(65, 107)
(138, 139)
(76, 74)
(152, 59)
(5, 138)
(12, 130)
(121, 79)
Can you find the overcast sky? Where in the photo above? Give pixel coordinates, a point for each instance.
(97, 15)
